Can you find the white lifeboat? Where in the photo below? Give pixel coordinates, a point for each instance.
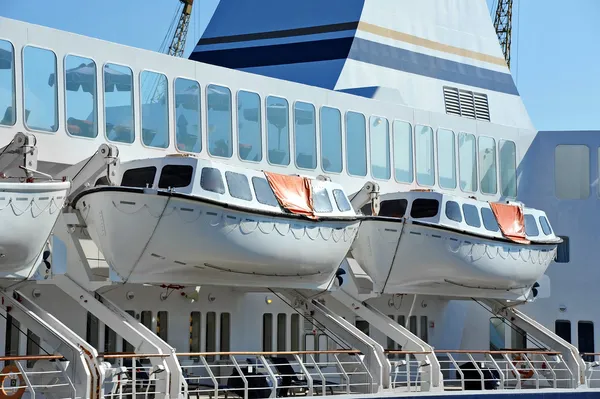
(439, 244)
(189, 221)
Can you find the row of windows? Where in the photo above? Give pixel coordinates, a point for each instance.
(479, 167)
(585, 335)
(572, 178)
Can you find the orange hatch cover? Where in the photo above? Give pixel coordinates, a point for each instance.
(294, 193)
(511, 221)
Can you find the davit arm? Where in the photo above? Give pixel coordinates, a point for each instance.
(20, 152)
(369, 194)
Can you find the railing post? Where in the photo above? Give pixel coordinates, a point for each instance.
(318, 368)
(344, 374)
(309, 379)
(25, 378)
(242, 376)
(271, 375)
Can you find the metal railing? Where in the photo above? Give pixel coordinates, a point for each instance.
(485, 370)
(592, 369)
(247, 375)
(35, 375)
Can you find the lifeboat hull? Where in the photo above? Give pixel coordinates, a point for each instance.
(415, 258)
(28, 213)
(152, 237)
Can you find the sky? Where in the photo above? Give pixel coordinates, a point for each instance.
(555, 48)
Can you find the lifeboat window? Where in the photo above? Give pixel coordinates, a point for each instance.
(219, 121)
(471, 215)
(211, 180)
(380, 147)
(263, 192)
(80, 96)
(453, 211)
(139, 177)
(41, 99)
(173, 176)
(188, 122)
(392, 208)
(424, 208)
(321, 201)
(331, 139)
(356, 144)
(118, 103)
(341, 200)
(545, 225)
(403, 152)
(278, 131)
(7, 85)
(489, 220)
(531, 228)
(238, 186)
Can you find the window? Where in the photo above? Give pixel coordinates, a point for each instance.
(489, 220)
(281, 332)
(425, 157)
(81, 96)
(188, 120)
(362, 325)
(154, 109)
(508, 168)
(341, 201)
(331, 139)
(563, 251)
(403, 152)
(446, 149)
(380, 147)
(497, 333)
(487, 165)
(162, 325)
(453, 211)
(278, 131)
(518, 338)
(211, 334)
(41, 98)
(412, 324)
(267, 345)
(572, 171)
(585, 339)
(321, 202)
(249, 126)
(424, 329)
(467, 162)
(305, 135)
(264, 192)
(118, 103)
(545, 225)
(393, 208)
(146, 319)
(295, 333)
(110, 342)
(33, 347)
(127, 347)
(92, 330)
(12, 337)
(356, 144)
(195, 327)
(471, 215)
(173, 176)
(139, 177)
(391, 344)
(210, 180)
(8, 112)
(562, 328)
(238, 185)
(219, 121)
(424, 208)
(225, 338)
(531, 228)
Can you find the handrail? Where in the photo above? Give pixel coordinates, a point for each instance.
(325, 352)
(31, 357)
(127, 355)
(481, 352)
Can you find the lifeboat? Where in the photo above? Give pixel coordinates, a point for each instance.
(188, 221)
(439, 244)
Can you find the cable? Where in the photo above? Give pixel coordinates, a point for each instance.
(518, 45)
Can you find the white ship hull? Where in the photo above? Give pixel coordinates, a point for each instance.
(150, 237)
(416, 258)
(28, 212)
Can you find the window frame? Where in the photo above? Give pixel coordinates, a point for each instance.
(454, 155)
(315, 135)
(134, 88)
(289, 131)
(13, 94)
(498, 145)
(476, 158)
(342, 140)
(496, 164)
(141, 109)
(433, 155)
(412, 151)
(261, 125)
(96, 97)
(370, 149)
(366, 142)
(174, 114)
(231, 120)
(56, 89)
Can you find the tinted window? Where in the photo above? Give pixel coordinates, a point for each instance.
(471, 215)
(238, 186)
(321, 201)
(278, 131)
(393, 208)
(219, 121)
(563, 253)
(403, 151)
(446, 158)
(356, 144)
(139, 177)
(305, 135)
(424, 151)
(453, 211)
(249, 123)
(80, 97)
(155, 113)
(531, 228)
(585, 339)
(7, 84)
(175, 176)
(487, 165)
(545, 225)
(507, 152)
(41, 98)
(118, 103)
(264, 192)
(211, 180)
(380, 147)
(467, 162)
(489, 220)
(341, 200)
(424, 208)
(188, 123)
(562, 328)
(331, 140)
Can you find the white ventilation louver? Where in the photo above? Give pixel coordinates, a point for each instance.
(466, 103)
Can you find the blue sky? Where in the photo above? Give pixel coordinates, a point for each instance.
(555, 51)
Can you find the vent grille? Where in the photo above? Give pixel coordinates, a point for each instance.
(466, 103)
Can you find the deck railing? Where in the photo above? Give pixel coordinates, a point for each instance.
(592, 369)
(483, 370)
